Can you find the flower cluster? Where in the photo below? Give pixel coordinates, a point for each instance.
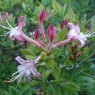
(16, 33)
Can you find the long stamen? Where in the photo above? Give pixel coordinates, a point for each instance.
(16, 77)
(18, 71)
(89, 34)
(89, 31)
(20, 78)
(6, 34)
(31, 40)
(5, 27)
(3, 35)
(9, 24)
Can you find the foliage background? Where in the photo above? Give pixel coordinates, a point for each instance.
(77, 82)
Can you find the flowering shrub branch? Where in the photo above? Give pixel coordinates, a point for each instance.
(45, 41)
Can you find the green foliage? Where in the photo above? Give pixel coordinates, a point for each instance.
(13, 90)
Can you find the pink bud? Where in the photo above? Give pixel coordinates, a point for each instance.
(51, 32)
(64, 24)
(37, 34)
(7, 16)
(42, 16)
(37, 37)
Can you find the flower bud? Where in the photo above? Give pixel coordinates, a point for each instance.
(64, 24)
(43, 55)
(42, 16)
(7, 16)
(51, 32)
(37, 37)
(37, 34)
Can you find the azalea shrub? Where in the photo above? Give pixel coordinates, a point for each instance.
(52, 53)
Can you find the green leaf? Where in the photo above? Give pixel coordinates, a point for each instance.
(61, 35)
(56, 71)
(70, 86)
(70, 15)
(29, 57)
(93, 22)
(82, 22)
(26, 52)
(46, 2)
(35, 83)
(64, 9)
(13, 91)
(85, 2)
(45, 75)
(52, 90)
(57, 7)
(26, 92)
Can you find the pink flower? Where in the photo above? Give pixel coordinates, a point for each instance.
(16, 32)
(51, 34)
(26, 67)
(75, 34)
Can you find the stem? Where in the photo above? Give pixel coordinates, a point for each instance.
(87, 74)
(40, 42)
(9, 24)
(30, 40)
(75, 62)
(78, 65)
(40, 47)
(5, 27)
(86, 58)
(62, 43)
(49, 45)
(3, 35)
(43, 33)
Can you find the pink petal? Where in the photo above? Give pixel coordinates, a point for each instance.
(11, 36)
(20, 60)
(19, 38)
(16, 34)
(71, 25)
(34, 72)
(77, 28)
(82, 43)
(71, 34)
(20, 67)
(21, 22)
(27, 72)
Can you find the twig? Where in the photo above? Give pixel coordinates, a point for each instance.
(87, 74)
(78, 65)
